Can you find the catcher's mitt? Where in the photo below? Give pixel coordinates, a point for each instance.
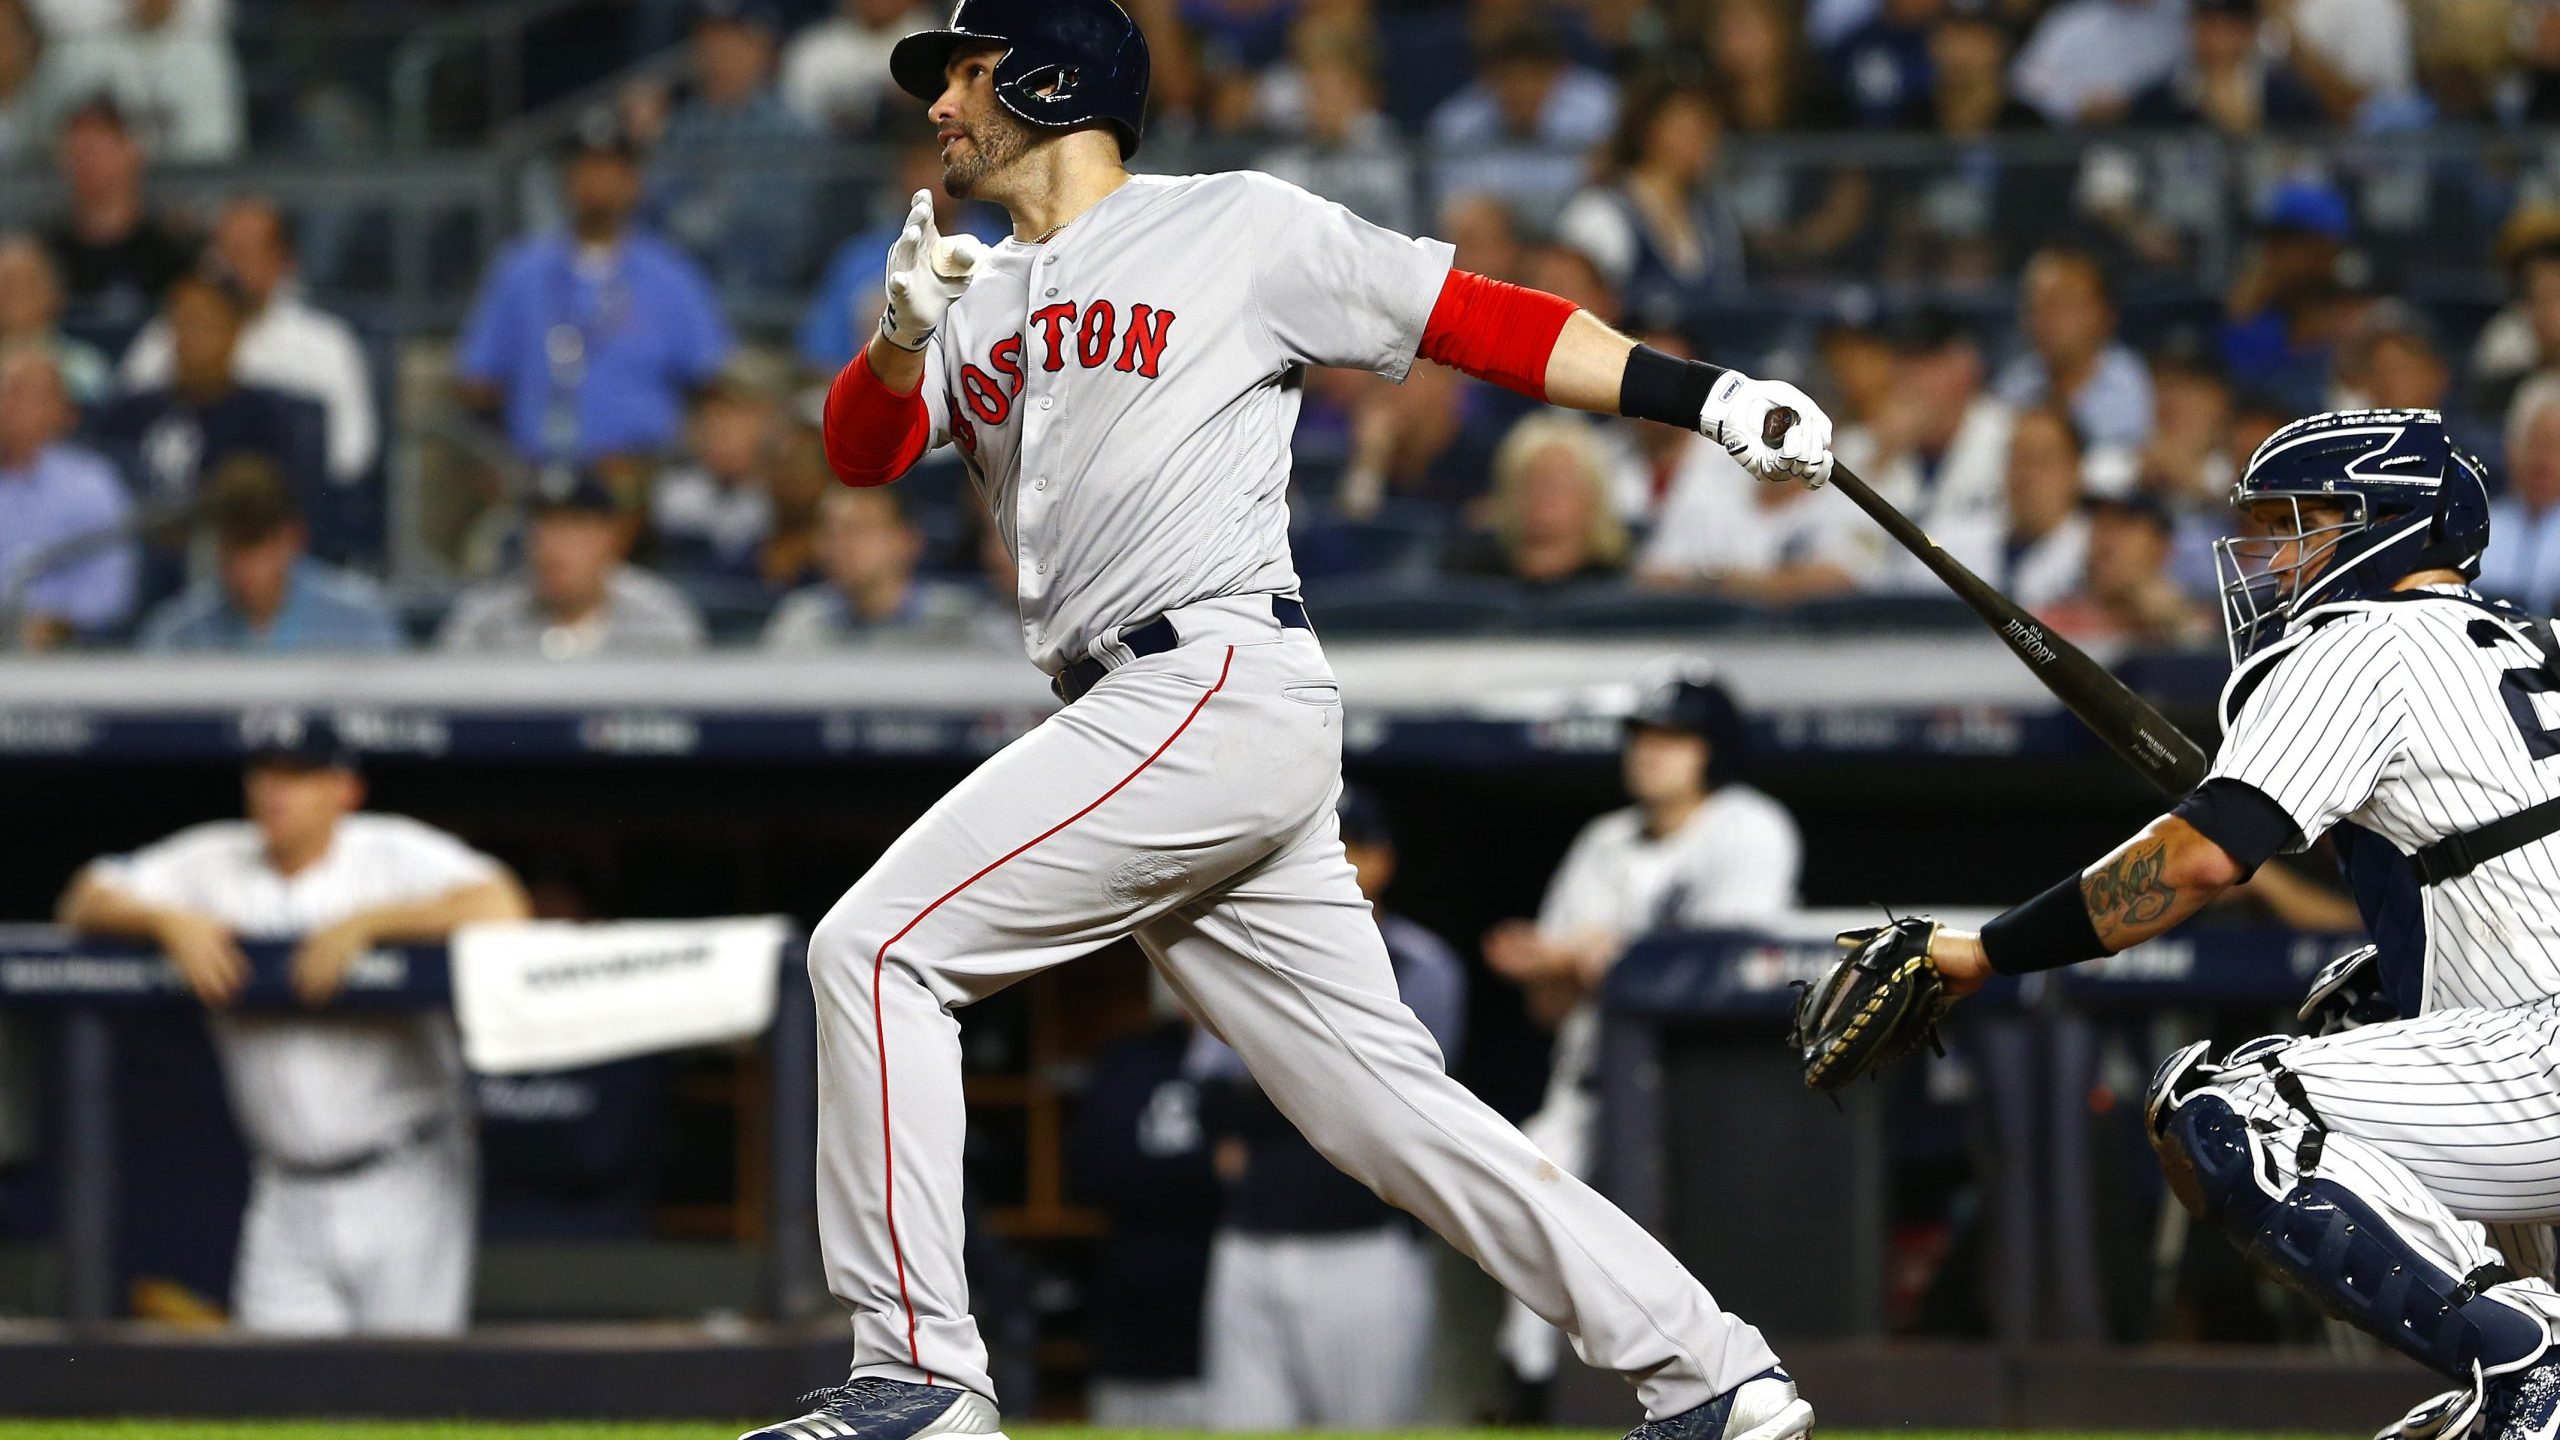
(1880, 1003)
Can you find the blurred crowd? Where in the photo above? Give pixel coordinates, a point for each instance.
(2055, 355)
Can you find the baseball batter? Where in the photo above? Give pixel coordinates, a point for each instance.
(2378, 700)
(1122, 376)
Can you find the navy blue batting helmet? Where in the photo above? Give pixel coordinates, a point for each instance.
(2407, 499)
(1686, 697)
(1067, 63)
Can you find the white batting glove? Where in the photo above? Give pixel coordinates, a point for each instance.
(1737, 417)
(926, 273)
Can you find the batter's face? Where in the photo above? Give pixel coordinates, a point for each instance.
(980, 138)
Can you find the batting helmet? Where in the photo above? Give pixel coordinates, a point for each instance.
(1685, 696)
(1067, 63)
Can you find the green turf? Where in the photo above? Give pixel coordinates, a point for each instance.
(341, 1430)
(364, 1431)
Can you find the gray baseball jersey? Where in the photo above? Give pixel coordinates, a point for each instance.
(1124, 393)
(313, 1092)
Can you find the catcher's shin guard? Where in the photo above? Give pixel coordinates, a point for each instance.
(2322, 1239)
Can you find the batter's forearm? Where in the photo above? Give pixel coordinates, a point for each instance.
(1588, 370)
(899, 370)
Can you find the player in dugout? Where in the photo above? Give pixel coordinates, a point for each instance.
(363, 1198)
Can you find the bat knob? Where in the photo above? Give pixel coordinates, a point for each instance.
(1774, 428)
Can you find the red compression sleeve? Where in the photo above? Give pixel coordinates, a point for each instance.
(1497, 332)
(873, 433)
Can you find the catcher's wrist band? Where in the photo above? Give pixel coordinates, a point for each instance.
(2046, 933)
(1660, 387)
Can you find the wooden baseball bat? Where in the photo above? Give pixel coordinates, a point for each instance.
(2130, 725)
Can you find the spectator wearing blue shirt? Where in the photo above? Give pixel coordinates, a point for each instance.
(2522, 562)
(590, 341)
(266, 594)
(2282, 310)
(1525, 129)
(66, 563)
(842, 315)
(2073, 355)
(744, 223)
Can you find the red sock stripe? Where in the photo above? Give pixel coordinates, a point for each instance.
(880, 961)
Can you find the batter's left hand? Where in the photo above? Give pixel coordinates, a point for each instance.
(1738, 416)
(322, 960)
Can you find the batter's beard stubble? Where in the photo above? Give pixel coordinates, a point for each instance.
(994, 143)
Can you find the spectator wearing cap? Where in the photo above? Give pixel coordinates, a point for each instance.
(66, 555)
(21, 57)
(206, 411)
(1655, 226)
(2125, 591)
(171, 73)
(1321, 1306)
(845, 311)
(708, 514)
(266, 594)
(31, 318)
(2522, 562)
(589, 342)
(286, 343)
(577, 597)
(744, 224)
(1882, 68)
(2227, 79)
(1938, 446)
(2046, 546)
(1697, 849)
(868, 550)
(2088, 59)
(1521, 128)
(362, 1196)
(116, 255)
(2285, 309)
(835, 73)
(2072, 354)
(1552, 520)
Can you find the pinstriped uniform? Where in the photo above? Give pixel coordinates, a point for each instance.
(2395, 724)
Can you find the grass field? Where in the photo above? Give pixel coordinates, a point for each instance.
(342, 1430)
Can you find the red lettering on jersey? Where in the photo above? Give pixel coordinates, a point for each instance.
(1093, 340)
(1053, 319)
(963, 434)
(985, 398)
(1144, 351)
(1007, 358)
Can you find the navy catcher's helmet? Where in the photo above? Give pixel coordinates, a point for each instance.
(1067, 63)
(2410, 499)
(1687, 697)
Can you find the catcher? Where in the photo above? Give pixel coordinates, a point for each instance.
(2375, 699)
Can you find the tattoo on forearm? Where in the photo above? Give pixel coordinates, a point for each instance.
(2130, 889)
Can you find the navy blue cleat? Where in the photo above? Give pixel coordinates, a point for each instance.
(869, 1408)
(1763, 1407)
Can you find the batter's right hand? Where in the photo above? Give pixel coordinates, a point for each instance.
(926, 274)
(205, 955)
